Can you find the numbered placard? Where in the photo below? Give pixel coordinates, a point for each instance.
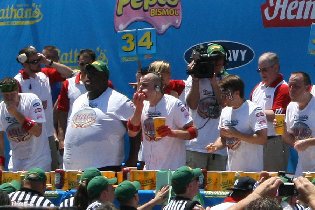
(137, 42)
(146, 41)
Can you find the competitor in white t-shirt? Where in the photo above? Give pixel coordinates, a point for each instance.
(34, 79)
(21, 118)
(163, 148)
(300, 121)
(95, 131)
(243, 128)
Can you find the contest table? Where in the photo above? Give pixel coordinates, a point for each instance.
(210, 198)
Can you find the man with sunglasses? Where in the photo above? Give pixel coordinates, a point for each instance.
(35, 79)
(272, 95)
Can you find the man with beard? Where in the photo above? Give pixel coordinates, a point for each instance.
(300, 121)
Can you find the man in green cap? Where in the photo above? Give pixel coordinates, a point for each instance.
(185, 184)
(203, 97)
(128, 198)
(22, 119)
(32, 192)
(10, 187)
(97, 124)
(100, 189)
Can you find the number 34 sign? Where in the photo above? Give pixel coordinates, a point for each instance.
(137, 42)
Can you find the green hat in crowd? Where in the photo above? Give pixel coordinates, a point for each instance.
(98, 184)
(183, 176)
(99, 66)
(35, 174)
(126, 190)
(215, 49)
(90, 173)
(10, 187)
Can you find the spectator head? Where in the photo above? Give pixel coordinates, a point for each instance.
(29, 58)
(268, 67)
(127, 193)
(101, 188)
(97, 74)
(185, 181)
(231, 86)
(35, 179)
(264, 203)
(242, 187)
(51, 53)
(106, 206)
(299, 86)
(86, 56)
(10, 187)
(162, 68)
(89, 174)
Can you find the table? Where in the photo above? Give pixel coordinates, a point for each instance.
(210, 198)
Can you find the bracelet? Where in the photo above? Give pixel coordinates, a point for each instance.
(2, 160)
(192, 132)
(28, 124)
(132, 127)
(51, 63)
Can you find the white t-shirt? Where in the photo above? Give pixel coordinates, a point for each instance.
(94, 136)
(27, 151)
(263, 96)
(39, 85)
(301, 123)
(247, 119)
(205, 117)
(167, 152)
(313, 90)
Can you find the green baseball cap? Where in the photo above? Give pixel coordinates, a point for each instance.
(90, 173)
(126, 190)
(35, 174)
(98, 184)
(99, 66)
(10, 187)
(183, 176)
(215, 49)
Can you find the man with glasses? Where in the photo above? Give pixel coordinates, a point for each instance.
(243, 128)
(272, 95)
(35, 79)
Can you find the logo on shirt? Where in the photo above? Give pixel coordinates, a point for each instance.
(84, 118)
(301, 131)
(16, 133)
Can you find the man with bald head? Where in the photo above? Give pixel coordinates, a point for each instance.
(160, 145)
(272, 95)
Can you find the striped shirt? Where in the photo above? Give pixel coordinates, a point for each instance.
(180, 203)
(28, 197)
(67, 202)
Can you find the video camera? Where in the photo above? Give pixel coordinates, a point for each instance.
(204, 61)
(288, 187)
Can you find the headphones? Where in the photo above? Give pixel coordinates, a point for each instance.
(157, 88)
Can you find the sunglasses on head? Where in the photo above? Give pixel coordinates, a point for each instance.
(33, 61)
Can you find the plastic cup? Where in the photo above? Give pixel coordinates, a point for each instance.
(158, 122)
(279, 127)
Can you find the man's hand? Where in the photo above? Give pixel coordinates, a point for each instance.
(268, 187)
(138, 98)
(306, 191)
(212, 147)
(161, 195)
(301, 145)
(228, 132)
(165, 131)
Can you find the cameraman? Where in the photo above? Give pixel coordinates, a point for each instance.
(203, 99)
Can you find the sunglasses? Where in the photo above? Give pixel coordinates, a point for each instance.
(33, 61)
(259, 70)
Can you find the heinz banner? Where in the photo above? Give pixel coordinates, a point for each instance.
(125, 32)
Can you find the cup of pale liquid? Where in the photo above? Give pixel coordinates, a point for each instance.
(158, 122)
(279, 127)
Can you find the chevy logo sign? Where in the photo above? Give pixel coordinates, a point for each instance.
(238, 54)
